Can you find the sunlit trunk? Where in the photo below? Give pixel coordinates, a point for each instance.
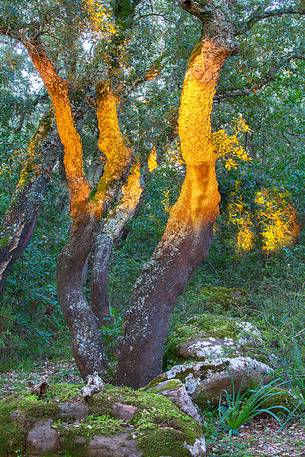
(188, 233)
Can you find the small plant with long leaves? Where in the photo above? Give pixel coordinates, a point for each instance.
(236, 408)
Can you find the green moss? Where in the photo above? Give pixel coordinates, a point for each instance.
(163, 430)
(217, 300)
(63, 392)
(160, 427)
(40, 410)
(204, 325)
(171, 384)
(224, 296)
(4, 241)
(75, 435)
(12, 434)
(73, 444)
(30, 409)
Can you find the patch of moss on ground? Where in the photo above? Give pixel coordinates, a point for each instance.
(29, 409)
(12, 434)
(63, 392)
(224, 296)
(159, 426)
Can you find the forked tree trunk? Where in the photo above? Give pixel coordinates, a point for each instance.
(20, 220)
(188, 233)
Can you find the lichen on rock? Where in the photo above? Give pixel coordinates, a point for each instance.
(205, 381)
(209, 337)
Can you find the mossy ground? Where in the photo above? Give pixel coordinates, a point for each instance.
(160, 427)
(29, 409)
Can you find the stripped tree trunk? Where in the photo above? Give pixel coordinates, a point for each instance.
(187, 237)
(20, 220)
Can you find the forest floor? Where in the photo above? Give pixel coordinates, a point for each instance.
(260, 438)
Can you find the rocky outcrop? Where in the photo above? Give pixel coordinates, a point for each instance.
(209, 337)
(205, 381)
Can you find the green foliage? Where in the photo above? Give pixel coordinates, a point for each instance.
(236, 409)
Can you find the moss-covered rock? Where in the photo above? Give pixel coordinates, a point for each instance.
(17, 416)
(205, 381)
(157, 427)
(206, 337)
(225, 296)
(282, 397)
(175, 390)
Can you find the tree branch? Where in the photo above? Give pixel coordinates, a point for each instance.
(270, 76)
(199, 8)
(258, 16)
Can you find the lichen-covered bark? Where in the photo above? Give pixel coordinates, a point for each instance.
(20, 220)
(83, 324)
(188, 233)
(99, 277)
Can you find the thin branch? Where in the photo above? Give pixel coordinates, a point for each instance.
(263, 82)
(258, 16)
(162, 16)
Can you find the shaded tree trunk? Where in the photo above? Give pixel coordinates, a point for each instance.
(111, 233)
(20, 220)
(83, 323)
(188, 233)
(99, 278)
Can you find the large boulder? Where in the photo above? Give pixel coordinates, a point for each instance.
(205, 381)
(210, 354)
(116, 422)
(210, 338)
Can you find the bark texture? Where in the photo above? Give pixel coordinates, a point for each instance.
(188, 233)
(111, 233)
(20, 220)
(83, 323)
